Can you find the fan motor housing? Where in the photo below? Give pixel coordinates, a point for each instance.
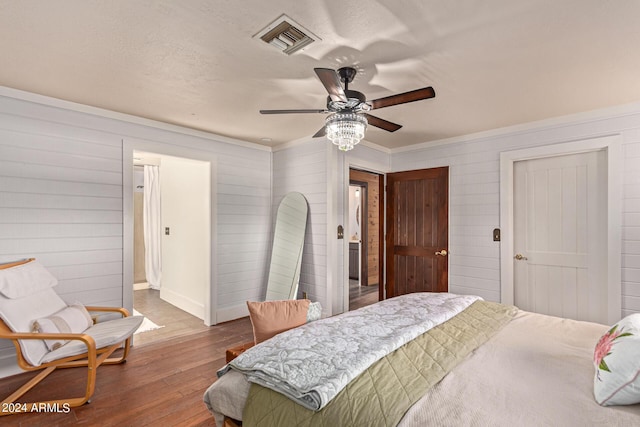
(355, 99)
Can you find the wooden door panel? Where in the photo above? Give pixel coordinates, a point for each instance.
(415, 274)
(417, 228)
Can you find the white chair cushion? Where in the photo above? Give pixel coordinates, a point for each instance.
(105, 334)
(26, 295)
(26, 279)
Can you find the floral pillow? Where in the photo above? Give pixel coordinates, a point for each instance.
(617, 362)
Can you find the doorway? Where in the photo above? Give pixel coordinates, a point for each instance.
(183, 302)
(175, 242)
(365, 233)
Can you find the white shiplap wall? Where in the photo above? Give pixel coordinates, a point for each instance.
(475, 186)
(244, 224)
(61, 202)
(61, 199)
(302, 167)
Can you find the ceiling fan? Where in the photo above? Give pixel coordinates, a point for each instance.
(348, 108)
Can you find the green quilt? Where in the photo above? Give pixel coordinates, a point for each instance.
(382, 394)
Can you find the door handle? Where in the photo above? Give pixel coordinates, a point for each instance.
(442, 252)
(520, 257)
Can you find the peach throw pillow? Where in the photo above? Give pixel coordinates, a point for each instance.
(269, 318)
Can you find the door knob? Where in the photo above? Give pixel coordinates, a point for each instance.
(520, 257)
(442, 252)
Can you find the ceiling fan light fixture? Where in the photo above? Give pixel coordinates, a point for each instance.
(345, 129)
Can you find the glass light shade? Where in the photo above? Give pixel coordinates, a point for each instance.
(345, 129)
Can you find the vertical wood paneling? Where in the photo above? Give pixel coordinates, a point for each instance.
(569, 211)
(581, 214)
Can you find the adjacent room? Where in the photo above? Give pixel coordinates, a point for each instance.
(269, 209)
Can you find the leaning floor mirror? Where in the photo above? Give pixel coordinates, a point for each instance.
(288, 242)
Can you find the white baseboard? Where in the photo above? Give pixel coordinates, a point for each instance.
(184, 303)
(231, 313)
(140, 286)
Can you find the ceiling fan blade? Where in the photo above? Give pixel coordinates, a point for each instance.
(331, 81)
(321, 132)
(382, 123)
(403, 98)
(291, 111)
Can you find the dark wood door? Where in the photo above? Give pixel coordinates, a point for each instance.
(417, 231)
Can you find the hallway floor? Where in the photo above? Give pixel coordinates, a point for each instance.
(175, 322)
(360, 296)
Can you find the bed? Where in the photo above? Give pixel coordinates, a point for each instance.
(481, 364)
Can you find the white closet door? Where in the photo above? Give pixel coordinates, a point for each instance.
(560, 218)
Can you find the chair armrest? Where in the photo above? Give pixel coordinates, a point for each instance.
(123, 311)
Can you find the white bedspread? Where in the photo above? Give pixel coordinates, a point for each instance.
(312, 363)
(537, 371)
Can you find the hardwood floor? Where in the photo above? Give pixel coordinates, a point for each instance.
(163, 380)
(161, 384)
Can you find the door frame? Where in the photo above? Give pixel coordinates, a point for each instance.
(365, 167)
(612, 146)
(130, 145)
(364, 227)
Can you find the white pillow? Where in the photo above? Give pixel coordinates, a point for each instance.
(617, 362)
(24, 279)
(73, 319)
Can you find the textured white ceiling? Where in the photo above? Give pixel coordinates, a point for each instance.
(194, 63)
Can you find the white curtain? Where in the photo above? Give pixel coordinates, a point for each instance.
(152, 226)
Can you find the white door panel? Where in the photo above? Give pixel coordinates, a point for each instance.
(560, 231)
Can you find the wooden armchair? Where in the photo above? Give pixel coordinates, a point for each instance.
(26, 298)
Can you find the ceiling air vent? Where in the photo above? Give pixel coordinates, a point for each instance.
(286, 35)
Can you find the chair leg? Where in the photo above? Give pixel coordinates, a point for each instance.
(121, 359)
(29, 385)
(92, 364)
